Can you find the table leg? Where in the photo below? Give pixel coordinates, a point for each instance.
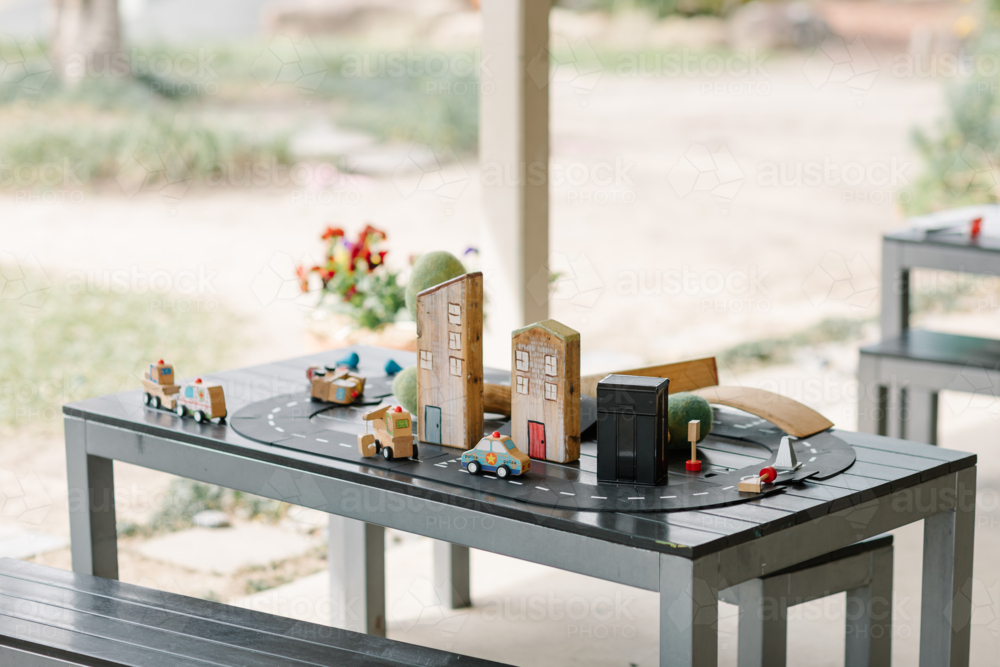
(356, 561)
(689, 612)
(763, 627)
(895, 411)
(921, 415)
(868, 633)
(946, 599)
(869, 395)
(451, 574)
(895, 316)
(91, 479)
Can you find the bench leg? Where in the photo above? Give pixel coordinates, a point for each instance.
(868, 635)
(451, 574)
(689, 612)
(356, 561)
(762, 640)
(91, 479)
(946, 598)
(921, 415)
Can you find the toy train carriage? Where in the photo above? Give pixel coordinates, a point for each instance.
(334, 385)
(160, 386)
(393, 436)
(497, 454)
(204, 401)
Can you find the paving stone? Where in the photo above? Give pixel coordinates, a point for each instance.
(19, 543)
(226, 550)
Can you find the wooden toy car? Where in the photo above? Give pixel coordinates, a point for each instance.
(204, 401)
(159, 385)
(334, 385)
(755, 483)
(496, 453)
(393, 435)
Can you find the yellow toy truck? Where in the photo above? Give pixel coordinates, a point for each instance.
(393, 435)
(334, 385)
(161, 391)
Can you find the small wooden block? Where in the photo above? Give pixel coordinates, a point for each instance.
(751, 485)
(694, 430)
(684, 375)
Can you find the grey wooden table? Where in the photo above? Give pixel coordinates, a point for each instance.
(688, 557)
(901, 376)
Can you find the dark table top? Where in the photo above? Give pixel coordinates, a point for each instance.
(883, 465)
(957, 238)
(97, 622)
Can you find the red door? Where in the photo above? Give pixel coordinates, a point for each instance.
(536, 440)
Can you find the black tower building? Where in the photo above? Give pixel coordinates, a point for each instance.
(632, 429)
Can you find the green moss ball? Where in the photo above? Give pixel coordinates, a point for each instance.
(404, 386)
(431, 269)
(682, 408)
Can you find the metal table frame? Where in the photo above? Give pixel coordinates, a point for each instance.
(689, 586)
(898, 396)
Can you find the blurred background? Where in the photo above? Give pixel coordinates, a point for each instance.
(187, 180)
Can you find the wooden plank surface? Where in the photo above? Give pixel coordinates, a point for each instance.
(165, 629)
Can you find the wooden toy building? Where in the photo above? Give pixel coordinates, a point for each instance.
(632, 429)
(545, 391)
(450, 362)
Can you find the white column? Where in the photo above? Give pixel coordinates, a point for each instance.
(514, 160)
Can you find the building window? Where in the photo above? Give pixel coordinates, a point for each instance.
(455, 366)
(551, 392)
(425, 359)
(550, 364)
(521, 360)
(454, 340)
(522, 384)
(454, 313)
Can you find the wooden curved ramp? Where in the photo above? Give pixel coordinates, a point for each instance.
(790, 416)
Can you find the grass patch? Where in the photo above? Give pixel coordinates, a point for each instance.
(185, 498)
(178, 148)
(775, 351)
(62, 343)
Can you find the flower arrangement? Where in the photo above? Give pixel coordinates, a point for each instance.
(354, 280)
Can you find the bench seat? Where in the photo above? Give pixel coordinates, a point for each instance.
(54, 618)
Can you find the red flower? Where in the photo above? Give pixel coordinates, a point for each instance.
(303, 277)
(332, 232)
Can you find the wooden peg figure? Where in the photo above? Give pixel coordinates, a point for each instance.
(694, 434)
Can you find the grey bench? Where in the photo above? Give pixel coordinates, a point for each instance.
(864, 570)
(901, 377)
(53, 618)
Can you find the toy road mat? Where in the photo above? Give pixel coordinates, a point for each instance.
(739, 445)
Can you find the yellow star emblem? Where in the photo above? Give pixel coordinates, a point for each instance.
(491, 459)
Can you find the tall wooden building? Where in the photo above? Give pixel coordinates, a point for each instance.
(450, 362)
(545, 391)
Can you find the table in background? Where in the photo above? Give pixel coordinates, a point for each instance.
(900, 377)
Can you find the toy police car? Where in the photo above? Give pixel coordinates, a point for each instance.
(496, 453)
